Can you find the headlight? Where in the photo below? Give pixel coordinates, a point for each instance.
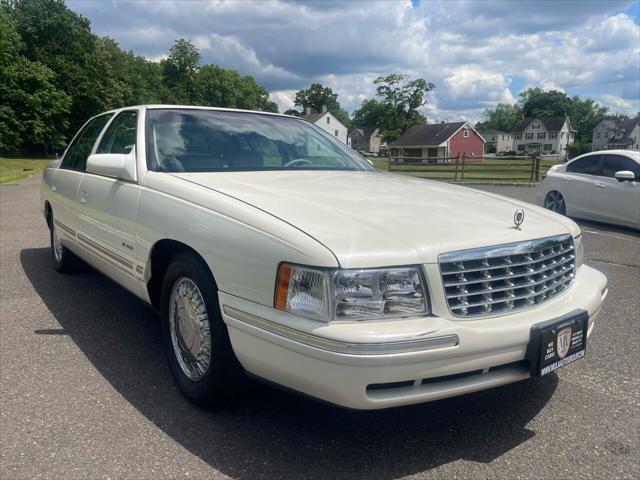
(579, 250)
(350, 294)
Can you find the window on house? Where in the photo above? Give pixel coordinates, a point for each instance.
(547, 146)
(521, 148)
(466, 134)
(529, 136)
(553, 134)
(336, 134)
(518, 136)
(328, 119)
(541, 135)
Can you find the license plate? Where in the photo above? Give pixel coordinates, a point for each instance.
(558, 342)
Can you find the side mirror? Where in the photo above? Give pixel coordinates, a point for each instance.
(116, 165)
(625, 175)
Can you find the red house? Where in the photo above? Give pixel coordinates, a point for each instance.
(439, 141)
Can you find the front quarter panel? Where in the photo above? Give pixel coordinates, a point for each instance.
(242, 245)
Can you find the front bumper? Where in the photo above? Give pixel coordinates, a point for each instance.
(381, 364)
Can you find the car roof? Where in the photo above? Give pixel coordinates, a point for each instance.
(195, 107)
(635, 155)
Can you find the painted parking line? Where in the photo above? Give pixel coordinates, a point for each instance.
(607, 234)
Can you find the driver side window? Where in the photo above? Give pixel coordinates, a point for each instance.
(76, 155)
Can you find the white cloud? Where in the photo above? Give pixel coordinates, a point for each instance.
(471, 50)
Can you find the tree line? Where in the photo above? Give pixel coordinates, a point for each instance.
(56, 73)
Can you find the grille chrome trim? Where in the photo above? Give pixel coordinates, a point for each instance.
(495, 280)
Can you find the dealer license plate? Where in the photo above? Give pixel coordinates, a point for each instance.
(558, 342)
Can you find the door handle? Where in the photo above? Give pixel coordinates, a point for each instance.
(82, 197)
(599, 185)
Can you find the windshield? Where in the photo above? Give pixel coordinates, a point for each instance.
(190, 140)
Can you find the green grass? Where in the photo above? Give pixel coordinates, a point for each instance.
(516, 170)
(13, 169)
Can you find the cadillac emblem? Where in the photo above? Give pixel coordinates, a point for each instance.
(518, 218)
(563, 342)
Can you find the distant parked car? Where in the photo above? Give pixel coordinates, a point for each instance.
(602, 186)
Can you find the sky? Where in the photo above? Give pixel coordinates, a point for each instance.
(477, 52)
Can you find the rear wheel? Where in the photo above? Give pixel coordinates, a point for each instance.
(195, 336)
(64, 261)
(555, 201)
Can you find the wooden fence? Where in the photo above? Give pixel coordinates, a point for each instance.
(461, 168)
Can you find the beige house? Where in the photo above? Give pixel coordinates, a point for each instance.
(497, 141)
(543, 136)
(365, 139)
(624, 135)
(328, 122)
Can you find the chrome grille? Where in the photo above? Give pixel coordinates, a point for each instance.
(499, 279)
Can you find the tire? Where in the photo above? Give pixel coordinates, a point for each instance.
(555, 202)
(64, 260)
(191, 324)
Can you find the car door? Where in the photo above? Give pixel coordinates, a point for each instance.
(65, 181)
(109, 205)
(577, 185)
(615, 201)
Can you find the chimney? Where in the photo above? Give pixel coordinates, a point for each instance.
(324, 109)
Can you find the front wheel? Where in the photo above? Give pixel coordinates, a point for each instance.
(554, 201)
(196, 339)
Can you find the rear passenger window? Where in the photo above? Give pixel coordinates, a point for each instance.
(120, 137)
(590, 165)
(616, 163)
(76, 156)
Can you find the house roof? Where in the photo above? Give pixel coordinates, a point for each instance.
(628, 125)
(552, 124)
(484, 133)
(314, 117)
(431, 134)
(364, 131)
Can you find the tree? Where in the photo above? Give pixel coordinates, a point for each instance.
(61, 40)
(502, 117)
(220, 87)
(317, 96)
(33, 112)
(179, 73)
(401, 99)
(540, 103)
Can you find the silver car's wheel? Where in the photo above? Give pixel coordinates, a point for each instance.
(189, 328)
(555, 201)
(56, 245)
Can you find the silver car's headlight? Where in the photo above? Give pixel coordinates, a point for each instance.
(353, 294)
(579, 250)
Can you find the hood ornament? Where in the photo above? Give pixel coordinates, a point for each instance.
(518, 218)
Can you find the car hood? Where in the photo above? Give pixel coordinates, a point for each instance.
(375, 219)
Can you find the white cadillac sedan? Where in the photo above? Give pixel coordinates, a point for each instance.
(603, 186)
(270, 248)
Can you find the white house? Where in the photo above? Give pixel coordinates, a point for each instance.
(497, 141)
(622, 134)
(544, 135)
(328, 122)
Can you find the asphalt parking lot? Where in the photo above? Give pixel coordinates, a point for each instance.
(86, 392)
